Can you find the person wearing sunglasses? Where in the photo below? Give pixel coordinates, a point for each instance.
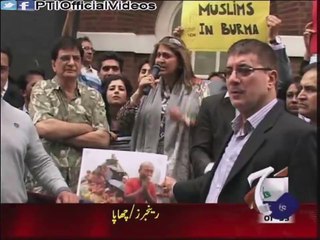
(262, 134)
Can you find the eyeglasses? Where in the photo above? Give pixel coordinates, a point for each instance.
(4, 69)
(243, 71)
(88, 49)
(67, 58)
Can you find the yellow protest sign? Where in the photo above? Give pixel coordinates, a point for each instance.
(216, 25)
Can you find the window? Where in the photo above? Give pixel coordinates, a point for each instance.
(203, 63)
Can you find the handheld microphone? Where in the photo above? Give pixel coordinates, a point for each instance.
(155, 70)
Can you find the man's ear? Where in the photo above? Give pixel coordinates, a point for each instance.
(53, 65)
(24, 93)
(273, 79)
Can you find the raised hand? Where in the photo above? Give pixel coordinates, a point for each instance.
(178, 31)
(273, 24)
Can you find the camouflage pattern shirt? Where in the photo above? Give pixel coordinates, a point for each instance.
(48, 101)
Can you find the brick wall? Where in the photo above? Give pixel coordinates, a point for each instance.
(139, 22)
(142, 22)
(294, 14)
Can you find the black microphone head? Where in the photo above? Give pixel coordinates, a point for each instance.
(155, 70)
(146, 90)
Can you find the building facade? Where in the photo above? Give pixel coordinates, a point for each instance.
(134, 33)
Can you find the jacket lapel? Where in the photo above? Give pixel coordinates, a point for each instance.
(256, 140)
(228, 111)
(206, 188)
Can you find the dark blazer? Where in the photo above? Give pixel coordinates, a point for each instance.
(13, 96)
(213, 124)
(280, 140)
(285, 73)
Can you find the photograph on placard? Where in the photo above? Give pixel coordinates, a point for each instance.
(109, 176)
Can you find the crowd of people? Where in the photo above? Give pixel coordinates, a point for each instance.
(250, 115)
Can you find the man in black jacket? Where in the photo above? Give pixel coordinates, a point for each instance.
(10, 92)
(263, 134)
(216, 112)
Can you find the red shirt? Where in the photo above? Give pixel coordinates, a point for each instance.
(134, 184)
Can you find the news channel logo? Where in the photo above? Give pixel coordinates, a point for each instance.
(282, 210)
(17, 5)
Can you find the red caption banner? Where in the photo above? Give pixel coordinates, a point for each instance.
(86, 221)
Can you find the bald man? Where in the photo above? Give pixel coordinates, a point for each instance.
(141, 190)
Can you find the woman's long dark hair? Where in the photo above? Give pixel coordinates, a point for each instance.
(178, 47)
(105, 86)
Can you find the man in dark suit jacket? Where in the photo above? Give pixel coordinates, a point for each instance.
(11, 93)
(263, 135)
(217, 112)
(213, 123)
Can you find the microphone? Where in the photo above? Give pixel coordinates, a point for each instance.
(155, 70)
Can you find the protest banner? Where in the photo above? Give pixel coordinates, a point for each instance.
(216, 25)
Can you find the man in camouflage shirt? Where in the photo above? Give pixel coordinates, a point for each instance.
(68, 115)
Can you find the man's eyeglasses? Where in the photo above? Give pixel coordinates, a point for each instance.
(243, 71)
(67, 58)
(88, 49)
(4, 69)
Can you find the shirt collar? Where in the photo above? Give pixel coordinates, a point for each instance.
(238, 127)
(89, 69)
(56, 85)
(253, 121)
(5, 88)
(303, 118)
(24, 108)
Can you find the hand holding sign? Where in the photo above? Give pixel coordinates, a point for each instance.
(222, 23)
(308, 31)
(178, 31)
(273, 24)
